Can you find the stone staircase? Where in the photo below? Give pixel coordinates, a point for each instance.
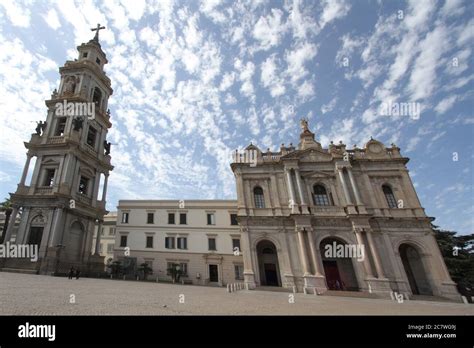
(342, 293)
(19, 266)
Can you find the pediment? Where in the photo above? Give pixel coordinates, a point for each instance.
(50, 161)
(309, 155)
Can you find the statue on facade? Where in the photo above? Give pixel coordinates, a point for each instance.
(77, 123)
(40, 127)
(54, 95)
(107, 146)
(304, 125)
(70, 85)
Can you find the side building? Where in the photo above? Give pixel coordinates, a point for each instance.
(201, 236)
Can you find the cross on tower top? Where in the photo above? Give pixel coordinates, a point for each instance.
(96, 37)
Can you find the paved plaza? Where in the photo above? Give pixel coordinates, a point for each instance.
(24, 294)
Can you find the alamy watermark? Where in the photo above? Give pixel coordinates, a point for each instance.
(410, 109)
(336, 250)
(21, 251)
(75, 109)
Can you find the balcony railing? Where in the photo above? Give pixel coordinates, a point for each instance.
(56, 140)
(44, 190)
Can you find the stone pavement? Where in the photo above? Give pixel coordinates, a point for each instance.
(24, 294)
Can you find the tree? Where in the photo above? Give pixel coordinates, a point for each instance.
(175, 272)
(115, 268)
(458, 254)
(6, 207)
(145, 269)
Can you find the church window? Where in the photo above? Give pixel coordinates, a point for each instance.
(83, 185)
(391, 201)
(258, 197)
(91, 137)
(60, 126)
(268, 251)
(84, 55)
(49, 177)
(320, 196)
(97, 96)
(233, 219)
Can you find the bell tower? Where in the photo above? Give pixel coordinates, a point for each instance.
(62, 204)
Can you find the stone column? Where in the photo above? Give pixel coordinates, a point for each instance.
(375, 254)
(104, 190)
(95, 190)
(367, 266)
(249, 275)
(25, 169)
(354, 186)
(11, 225)
(241, 201)
(97, 240)
(344, 186)
(303, 253)
(293, 205)
(56, 228)
(304, 206)
(314, 254)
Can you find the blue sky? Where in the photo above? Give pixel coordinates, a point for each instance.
(193, 81)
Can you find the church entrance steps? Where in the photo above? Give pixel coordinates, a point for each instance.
(19, 270)
(350, 294)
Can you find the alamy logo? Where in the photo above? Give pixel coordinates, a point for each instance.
(411, 109)
(75, 109)
(21, 251)
(335, 250)
(37, 331)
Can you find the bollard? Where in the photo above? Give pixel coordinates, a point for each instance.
(246, 286)
(464, 299)
(294, 289)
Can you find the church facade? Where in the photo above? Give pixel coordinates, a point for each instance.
(304, 211)
(61, 205)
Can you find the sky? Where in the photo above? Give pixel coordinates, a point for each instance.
(194, 81)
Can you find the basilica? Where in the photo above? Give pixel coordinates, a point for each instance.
(293, 207)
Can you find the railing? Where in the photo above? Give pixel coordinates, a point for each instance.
(56, 140)
(44, 190)
(84, 199)
(90, 149)
(327, 210)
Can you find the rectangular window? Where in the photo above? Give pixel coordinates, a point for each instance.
(212, 244)
(182, 219)
(97, 60)
(101, 246)
(233, 219)
(102, 231)
(211, 220)
(184, 269)
(123, 241)
(235, 244)
(125, 218)
(149, 241)
(112, 231)
(169, 242)
(91, 136)
(150, 218)
(171, 219)
(60, 126)
(239, 272)
(49, 177)
(83, 185)
(84, 55)
(110, 248)
(182, 243)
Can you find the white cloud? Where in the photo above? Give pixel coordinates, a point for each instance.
(51, 18)
(17, 14)
(445, 104)
(297, 59)
(270, 77)
(332, 10)
(269, 29)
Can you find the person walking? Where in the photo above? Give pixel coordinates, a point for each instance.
(71, 273)
(78, 273)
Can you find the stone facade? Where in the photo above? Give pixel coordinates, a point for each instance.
(144, 226)
(294, 202)
(61, 205)
(107, 237)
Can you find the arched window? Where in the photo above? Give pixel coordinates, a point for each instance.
(258, 197)
(391, 201)
(320, 195)
(97, 97)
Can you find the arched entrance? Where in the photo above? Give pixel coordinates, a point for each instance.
(269, 269)
(414, 270)
(338, 267)
(36, 230)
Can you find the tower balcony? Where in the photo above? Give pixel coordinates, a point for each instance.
(56, 140)
(44, 190)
